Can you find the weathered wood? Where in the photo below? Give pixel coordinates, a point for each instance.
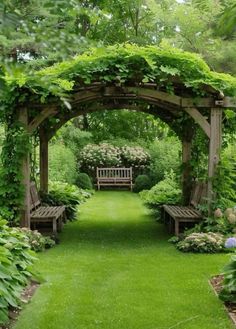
(186, 173)
(44, 114)
(200, 120)
(25, 211)
(43, 150)
(42, 214)
(155, 95)
(184, 214)
(214, 149)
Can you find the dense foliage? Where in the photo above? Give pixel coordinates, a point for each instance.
(62, 164)
(129, 64)
(165, 155)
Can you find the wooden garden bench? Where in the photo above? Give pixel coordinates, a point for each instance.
(45, 214)
(187, 214)
(114, 177)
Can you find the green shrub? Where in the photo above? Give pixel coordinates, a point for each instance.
(164, 192)
(62, 164)
(16, 260)
(165, 156)
(65, 194)
(36, 240)
(202, 243)
(228, 292)
(84, 181)
(142, 182)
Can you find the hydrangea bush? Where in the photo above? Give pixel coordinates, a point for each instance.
(107, 155)
(36, 240)
(101, 155)
(202, 243)
(134, 156)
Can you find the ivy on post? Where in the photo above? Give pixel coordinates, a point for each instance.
(25, 211)
(43, 150)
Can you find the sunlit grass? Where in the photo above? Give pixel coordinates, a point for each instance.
(115, 269)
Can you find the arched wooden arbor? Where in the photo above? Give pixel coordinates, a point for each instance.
(206, 112)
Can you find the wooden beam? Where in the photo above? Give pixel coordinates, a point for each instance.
(200, 120)
(44, 114)
(155, 95)
(230, 102)
(43, 155)
(214, 149)
(25, 211)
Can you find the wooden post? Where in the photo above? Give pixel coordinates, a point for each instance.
(186, 173)
(43, 150)
(25, 211)
(214, 149)
(187, 137)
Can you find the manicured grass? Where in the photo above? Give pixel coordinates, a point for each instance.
(114, 269)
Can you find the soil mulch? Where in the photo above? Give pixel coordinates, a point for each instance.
(26, 295)
(216, 283)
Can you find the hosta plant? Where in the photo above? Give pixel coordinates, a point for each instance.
(16, 260)
(228, 292)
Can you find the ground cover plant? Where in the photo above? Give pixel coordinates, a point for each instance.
(120, 272)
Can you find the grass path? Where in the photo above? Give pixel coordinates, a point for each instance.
(114, 269)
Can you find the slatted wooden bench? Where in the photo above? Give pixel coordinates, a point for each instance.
(114, 177)
(187, 214)
(45, 214)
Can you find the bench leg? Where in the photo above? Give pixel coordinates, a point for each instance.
(60, 223)
(176, 227)
(54, 226)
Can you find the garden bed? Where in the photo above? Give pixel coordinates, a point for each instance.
(26, 295)
(216, 283)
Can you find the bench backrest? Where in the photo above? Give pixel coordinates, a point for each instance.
(199, 193)
(34, 196)
(120, 173)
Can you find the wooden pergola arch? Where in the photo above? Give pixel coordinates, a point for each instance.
(206, 112)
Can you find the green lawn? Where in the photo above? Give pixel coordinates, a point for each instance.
(115, 269)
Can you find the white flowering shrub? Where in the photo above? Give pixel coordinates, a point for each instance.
(102, 155)
(202, 243)
(107, 155)
(135, 157)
